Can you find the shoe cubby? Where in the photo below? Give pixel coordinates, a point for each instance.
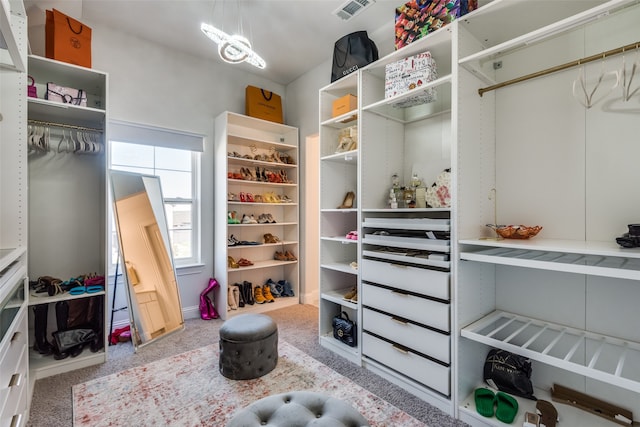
(256, 179)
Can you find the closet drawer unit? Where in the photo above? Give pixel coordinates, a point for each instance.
(421, 310)
(404, 361)
(14, 347)
(419, 280)
(13, 393)
(418, 338)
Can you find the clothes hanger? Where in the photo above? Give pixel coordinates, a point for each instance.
(585, 97)
(627, 93)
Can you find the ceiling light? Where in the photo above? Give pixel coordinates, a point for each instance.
(233, 49)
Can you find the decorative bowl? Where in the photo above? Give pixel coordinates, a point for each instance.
(515, 231)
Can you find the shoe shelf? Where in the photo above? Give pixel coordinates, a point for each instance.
(604, 358)
(606, 259)
(64, 296)
(275, 224)
(261, 264)
(41, 366)
(337, 296)
(342, 121)
(435, 245)
(240, 161)
(343, 267)
(340, 239)
(346, 157)
(261, 183)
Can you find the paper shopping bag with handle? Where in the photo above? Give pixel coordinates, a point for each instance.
(67, 39)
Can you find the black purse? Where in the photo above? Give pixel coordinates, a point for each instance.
(344, 330)
(508, 372)
(351, 52)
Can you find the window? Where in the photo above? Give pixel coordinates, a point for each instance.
(178, 169)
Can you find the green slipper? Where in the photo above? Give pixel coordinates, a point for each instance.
(507, 407)
(485, 400)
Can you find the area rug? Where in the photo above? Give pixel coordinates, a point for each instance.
(188, 390)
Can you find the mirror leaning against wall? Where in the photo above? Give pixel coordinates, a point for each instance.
(145, 251)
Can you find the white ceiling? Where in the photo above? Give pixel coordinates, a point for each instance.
(293, 36)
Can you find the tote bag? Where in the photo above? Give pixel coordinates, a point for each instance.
(67, 39)
(263, 104)
(351, 52)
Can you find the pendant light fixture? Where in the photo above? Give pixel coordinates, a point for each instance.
(233, 49)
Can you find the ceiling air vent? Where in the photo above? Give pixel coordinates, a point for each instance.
(351, 8)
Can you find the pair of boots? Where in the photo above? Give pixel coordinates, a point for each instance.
(207, 308)
(239, 295)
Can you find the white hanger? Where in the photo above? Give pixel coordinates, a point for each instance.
(627, 93)
(586, 98)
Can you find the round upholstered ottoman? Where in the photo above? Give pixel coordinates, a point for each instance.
(248, 346)
(299, 409)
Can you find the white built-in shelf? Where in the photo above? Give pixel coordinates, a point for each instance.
(42, 109)
(9, 256)
(343, 267)
(262, 144)
(242, 161)
(608, 359)
(425, 244)
(264, 245)
(405, 210)
(260, 184)
(408, 224)
(259, 264)
(44, 298)
(266, 223)
(596, 258)
(543, 22)
(337, 296)
(340, 239)
(397, 257)
(346, 157)
(387, 107)
(342, 121)
(45, 366)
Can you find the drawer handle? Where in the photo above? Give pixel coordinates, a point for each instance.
(15, 380)
(399, 320)
(398, 265)
(16, 420)
(400, 293)
(400, 349)
(15, 336)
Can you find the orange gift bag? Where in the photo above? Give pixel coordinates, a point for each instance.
(67, 39)
(263, 104)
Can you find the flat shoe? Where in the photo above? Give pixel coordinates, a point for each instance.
(485, 400)
(548, 413)
(507, 407)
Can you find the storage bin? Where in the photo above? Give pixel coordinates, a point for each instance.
(408, 74)
(423, 281)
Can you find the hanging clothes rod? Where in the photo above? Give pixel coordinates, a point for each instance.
(557, 68)
(61, 125)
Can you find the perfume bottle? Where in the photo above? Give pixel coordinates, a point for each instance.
(393, 202)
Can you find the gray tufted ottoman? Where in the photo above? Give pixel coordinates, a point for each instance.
(299, 409)
(248, 346)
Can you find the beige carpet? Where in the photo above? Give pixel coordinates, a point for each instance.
(187, 390)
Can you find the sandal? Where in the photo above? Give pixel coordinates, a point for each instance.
(270, 238)
(280, 256)
(243, 262)
(290, 256)
(548, 413)
(506, 407)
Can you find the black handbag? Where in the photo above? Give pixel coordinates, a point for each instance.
(508, 372)
(344, 329)
(351, 52)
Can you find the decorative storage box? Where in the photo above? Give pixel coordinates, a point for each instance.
(344, 104)
(418, 18)
(411, 73)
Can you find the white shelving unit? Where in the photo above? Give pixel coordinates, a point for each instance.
(529, 153)
(239, 139)
(14, 346)
(67, 201)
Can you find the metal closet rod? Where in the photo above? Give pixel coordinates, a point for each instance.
(557, 68)
(62, 125)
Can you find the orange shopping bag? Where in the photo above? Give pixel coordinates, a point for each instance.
(263, 104)
(67, 39)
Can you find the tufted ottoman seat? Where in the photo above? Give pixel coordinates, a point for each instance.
(248, 346)
(299, 409)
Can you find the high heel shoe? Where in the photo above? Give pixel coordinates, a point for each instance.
(213, 313)
(213, 283)
(347, 203)
(232, 263)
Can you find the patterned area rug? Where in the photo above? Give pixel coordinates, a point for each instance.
(188, 390)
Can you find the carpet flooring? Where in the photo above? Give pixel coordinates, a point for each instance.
(187, 390)
(298, 326)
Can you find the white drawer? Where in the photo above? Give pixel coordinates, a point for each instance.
(422, 340)
(419, 280)
(13, 348)
(414, 366)
(13, 394)
(420, 310)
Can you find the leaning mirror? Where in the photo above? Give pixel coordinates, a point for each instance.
(145, 253)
